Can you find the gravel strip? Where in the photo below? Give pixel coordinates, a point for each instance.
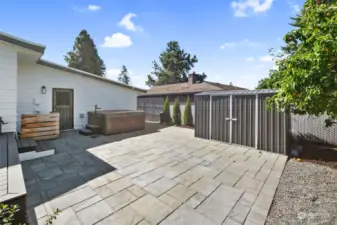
(307, 194)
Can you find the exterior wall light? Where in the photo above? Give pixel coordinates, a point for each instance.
(43, 90)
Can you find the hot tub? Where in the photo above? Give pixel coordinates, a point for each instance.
(117, 121)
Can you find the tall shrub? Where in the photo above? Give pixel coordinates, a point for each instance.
(188, 118)
(166, 111)
(176, 112)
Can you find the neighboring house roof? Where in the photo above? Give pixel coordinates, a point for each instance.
(188, 88)
(40, 48)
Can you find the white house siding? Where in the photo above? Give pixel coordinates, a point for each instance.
(8, 88)
(87, 92)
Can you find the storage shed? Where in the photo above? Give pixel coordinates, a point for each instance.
(241, 117)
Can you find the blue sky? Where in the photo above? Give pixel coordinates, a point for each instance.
(231, 38)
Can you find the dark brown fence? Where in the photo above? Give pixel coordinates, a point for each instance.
(152, 106)
(241, 117)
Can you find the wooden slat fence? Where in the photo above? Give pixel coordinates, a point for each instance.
(40, 126)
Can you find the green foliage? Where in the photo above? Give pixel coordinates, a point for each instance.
(7, 215)
(175, 64)
(188, 118)
(166, 107)
(123, 77)
(306, 74)
(84, 55)
(265, 84)
(176, 113)
(53, 217)
(166, 111)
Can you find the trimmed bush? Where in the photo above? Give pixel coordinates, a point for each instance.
(176, 113)
(166, 111)
(188, 118)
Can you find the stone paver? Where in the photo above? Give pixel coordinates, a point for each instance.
(186, 215)
(165, 177)
(152, 209)
(160, 186)
(170, 201)
(125, 216)
(195, 200)
(217, 206)
(205, 185)
(73, 198)
(86, 203)
(181, 192)
(94, 213)
(120, 200)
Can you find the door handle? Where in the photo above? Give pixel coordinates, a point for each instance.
(234, 119)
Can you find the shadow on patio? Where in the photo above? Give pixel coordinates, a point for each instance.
(70, 169)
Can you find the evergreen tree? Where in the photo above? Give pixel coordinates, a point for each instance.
(123, 77)
(188, 118)
(175, 64)
(84, 55)
(176, 112)
(166, 111)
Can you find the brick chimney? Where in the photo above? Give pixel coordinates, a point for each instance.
(192, 78)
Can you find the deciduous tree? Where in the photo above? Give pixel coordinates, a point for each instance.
(306, 75)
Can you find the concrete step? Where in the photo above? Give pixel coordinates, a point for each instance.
(26, 145)
(94, 128)
(86, 132)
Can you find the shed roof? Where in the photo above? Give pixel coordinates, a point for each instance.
(239, 92)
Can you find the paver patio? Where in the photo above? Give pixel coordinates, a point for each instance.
(165, 177)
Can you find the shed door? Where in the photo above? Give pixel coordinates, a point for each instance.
(220, 118)
(63, 102)
(243, 120)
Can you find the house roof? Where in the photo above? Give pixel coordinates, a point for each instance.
(86, 74)
(22, 43)
(41, 48)
(186, 88)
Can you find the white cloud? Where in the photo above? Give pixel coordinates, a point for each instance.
(88, 8)
(295, 7)
(128, 24)
(93, 7)
(117, 40)
(244, 8)
(245, 42)
(250, 59)
(112, 73)
(266, 58)
(227, 45)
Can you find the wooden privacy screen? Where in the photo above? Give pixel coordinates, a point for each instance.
(40, 126)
